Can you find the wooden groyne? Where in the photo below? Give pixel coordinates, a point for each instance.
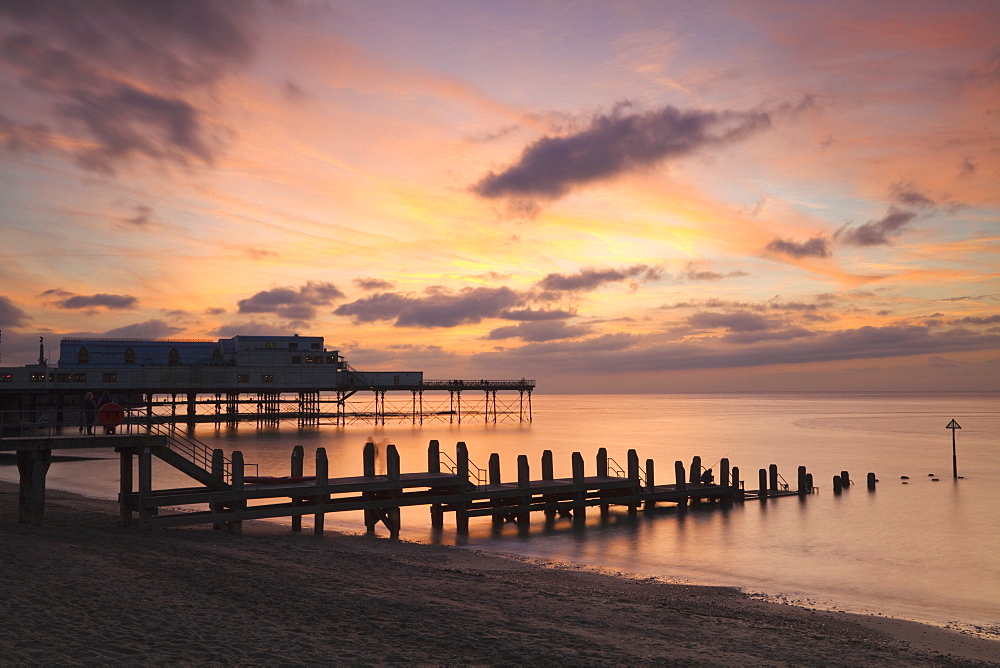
(451, 486)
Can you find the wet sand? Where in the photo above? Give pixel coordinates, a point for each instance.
(80, 590)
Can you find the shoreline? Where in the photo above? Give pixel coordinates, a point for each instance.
(80, 589)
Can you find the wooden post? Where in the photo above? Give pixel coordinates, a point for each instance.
(32, 465)
(298, 456)
(125, 487)
(462, 511)
(724, 472)
(650, 483)
(871, 482)
(240, 504)
(579, 507)
(845, 479)
(680, 482)
(773, 476)
(632, 467)
(762, 481)
(838, 484)
(322, 478)
(434, 457)
(737, 489)
(434, 466)
(548, 474)
(802, 488)
(523, 483)
(392, 513)
(695, 470)
(602, 462)
(145, 487)
(809, 483)
(368, 470)
(493, 478)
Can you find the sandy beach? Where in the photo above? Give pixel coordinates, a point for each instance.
(80, 590)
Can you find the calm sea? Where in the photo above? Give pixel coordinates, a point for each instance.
(918, 549)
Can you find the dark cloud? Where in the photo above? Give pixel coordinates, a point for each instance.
(373, 284)
(151, 329)
(291, 303)
(539, 331)
(739, 321)
(815, 247)
(115, 302)
(588, 279)
(877, 232)
(118, 76)
(613, 144)
(968, 167)
(980, 320)
(531, 315)
(11, 315)
(697, 271)
(214, 310)
(438, 308)
(143, 216)
(127, 121)
(907, 195)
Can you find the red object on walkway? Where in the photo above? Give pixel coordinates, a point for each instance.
(111, 414)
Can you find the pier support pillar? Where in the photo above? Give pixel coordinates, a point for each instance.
(762, 481)
(580, 497)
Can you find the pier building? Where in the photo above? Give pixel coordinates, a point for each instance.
(262, 379)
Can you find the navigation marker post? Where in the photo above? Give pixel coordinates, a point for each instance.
(954, 458)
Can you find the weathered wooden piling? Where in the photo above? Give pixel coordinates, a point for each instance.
(695, 476)
(735, 483)
(650, 483)
(237, 485)
(368, 468)
(801, 481)
(523, 483)
(724, 473)
(322, 479)
(871, 481)
(391, 515)
(845, 479)
(838, 484)
(548, 474)
(772, 478)
(462, 466)
(762, 481)
(580, 505)
(298, 456)
(493, 478)
(809, 483)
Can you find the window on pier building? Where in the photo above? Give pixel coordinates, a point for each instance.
(243, 378)
(267, 378)
(216, 355)
(6, 378)
(293, 345)
(83, 357)
(129, 355)
(110, 377)
(297, 359)
(269, 345)
(64, 377)
(174, 358)
(38, 378)
(79, 377)
(314, 345)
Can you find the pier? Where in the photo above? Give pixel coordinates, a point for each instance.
(233, 491)
(266, 381)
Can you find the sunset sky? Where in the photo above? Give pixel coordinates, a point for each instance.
(602, 196)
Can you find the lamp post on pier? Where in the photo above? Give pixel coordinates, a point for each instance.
(954, 458)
